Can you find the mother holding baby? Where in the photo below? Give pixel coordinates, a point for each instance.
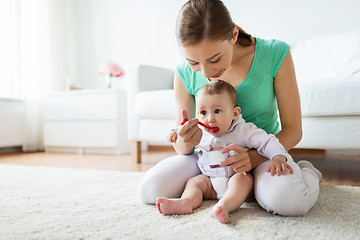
(263, 75)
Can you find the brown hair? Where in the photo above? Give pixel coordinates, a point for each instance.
(200, 19)
(218, 87)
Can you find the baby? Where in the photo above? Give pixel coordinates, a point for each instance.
(216, 107)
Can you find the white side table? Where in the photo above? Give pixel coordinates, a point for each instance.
(86, 121)
(11, 122)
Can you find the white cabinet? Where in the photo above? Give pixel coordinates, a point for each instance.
(11, 122)
(86, 121)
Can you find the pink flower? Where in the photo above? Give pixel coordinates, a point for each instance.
(111, 69)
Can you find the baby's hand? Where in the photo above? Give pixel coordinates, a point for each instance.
(172, 136)
(277, 165)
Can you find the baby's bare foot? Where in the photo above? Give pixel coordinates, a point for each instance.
(173, 206)
(220, 214)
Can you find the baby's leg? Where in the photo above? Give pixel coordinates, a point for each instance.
(239, 188)
(196, 189)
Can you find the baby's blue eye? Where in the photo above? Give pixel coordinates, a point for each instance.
(203, 113)
(218, 111)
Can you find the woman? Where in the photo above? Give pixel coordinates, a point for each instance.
(263, 74)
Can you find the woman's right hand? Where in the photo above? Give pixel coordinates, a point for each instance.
(239, 161)
(189, 134)
(242, 160)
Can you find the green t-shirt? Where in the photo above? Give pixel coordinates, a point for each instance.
(256, 94)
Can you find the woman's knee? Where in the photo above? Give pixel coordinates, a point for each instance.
(280, 197)
(167, 178)
(148, 189)
(284, 195)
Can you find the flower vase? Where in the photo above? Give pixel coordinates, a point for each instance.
(108, 81)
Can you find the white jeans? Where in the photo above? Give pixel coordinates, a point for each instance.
(287, 195)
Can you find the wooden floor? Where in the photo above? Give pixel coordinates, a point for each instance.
(336, 170)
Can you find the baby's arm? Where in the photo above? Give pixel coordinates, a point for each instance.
(277, 165)
(269, 146)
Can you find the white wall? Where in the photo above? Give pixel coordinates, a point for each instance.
(142, 31)
(293, 20)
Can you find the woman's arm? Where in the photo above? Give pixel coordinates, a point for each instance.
(288, 99)
(189, 134)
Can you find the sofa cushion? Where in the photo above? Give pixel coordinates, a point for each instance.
(156, 130)
(327, 56)
(335, 132)
(330, 97)
(155, 104)
(319, 97)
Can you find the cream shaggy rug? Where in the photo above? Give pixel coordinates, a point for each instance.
(59, 203)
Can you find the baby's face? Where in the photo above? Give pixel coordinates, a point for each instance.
(215, 111)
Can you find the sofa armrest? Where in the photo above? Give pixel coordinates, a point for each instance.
(145, 78)
(151, 78)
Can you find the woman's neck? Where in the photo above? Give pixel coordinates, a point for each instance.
(240, 65)
(241, 52)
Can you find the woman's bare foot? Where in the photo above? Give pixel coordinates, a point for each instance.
(173, 206)
(220, 214)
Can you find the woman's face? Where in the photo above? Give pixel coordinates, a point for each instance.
(210, 57)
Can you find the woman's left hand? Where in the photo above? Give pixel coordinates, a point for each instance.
(240, 161)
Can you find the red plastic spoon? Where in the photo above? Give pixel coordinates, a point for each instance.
(202, 124)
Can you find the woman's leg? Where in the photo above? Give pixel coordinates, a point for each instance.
(239, 188)
(288, 195)
(168, 178)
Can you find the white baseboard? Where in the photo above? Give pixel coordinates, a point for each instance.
(347, 152)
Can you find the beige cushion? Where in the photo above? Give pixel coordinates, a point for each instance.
(330, 97)
(155, 104)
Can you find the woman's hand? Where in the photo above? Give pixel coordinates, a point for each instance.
(240, 161)
(278, 165)
(189, 133)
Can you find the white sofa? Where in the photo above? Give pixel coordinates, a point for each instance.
(328, 75)
(151, 107)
